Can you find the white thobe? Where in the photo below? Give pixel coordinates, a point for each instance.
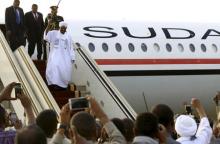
(61, 56)
(203, 134)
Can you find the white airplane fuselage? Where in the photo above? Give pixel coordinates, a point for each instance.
(153, 63)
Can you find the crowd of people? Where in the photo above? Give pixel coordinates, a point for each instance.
(94, 126)
(31, 25)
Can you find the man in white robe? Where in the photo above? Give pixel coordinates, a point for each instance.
(61, 57)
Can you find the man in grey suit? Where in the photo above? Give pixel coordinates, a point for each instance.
(14, 22)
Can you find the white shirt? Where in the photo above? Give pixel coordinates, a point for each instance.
(203, 134)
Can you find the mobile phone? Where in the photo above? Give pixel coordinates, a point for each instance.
(188, 109)
(78, 103)
(13, 117)
(18, 88)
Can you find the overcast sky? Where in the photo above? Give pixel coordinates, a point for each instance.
(138, 10)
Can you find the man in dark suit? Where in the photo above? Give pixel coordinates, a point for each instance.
(34, 24)
(14, 22)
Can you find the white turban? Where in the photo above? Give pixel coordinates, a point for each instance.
(185, 126)
(63, 24)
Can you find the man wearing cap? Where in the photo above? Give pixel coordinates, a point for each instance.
(54, 21)
(61, 57)
(14, 22)
(186, 127)
(54, 18)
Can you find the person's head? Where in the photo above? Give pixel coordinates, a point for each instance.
(146, 124)
(4, 120)
(185, 126)
(165, 116)
(129, 129)
(63, 27)
(119, 124)
(31, 134)
(54, 10)
(84, 125)
(16, 3)
(34, 8)
(47, 121)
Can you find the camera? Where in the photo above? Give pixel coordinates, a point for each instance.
(13, 117)
(78, 103)
(18, 88)
(188, 109)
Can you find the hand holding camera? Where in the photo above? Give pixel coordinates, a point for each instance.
(6, 92)
(14, 121)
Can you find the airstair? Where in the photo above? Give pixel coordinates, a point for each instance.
(87, 79)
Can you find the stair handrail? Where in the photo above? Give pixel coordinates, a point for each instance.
(112, 90)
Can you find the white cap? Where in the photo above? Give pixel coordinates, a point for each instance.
(61, 24)
(185, 126)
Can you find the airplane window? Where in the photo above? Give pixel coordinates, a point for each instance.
(214, 47)
(180, 47)
(105, 47)
(144, 47)
(168, 47)
(203, 47)
(91, 47)
(192, 48)
(78, 44)
(156, 47)
(131, 47)
(118, 47)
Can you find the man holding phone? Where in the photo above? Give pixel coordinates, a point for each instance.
(83, 126)
(6, 95)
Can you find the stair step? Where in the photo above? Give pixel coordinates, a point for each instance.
(74, 87)
(61, 96)
(84, 93)
(40, 65)
(81, 87)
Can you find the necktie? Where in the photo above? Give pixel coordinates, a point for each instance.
(35, 16)
(18, 20)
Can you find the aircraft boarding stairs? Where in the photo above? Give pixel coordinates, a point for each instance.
(60, 95)
(86, 76)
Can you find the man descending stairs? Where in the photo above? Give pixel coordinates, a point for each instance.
(61, 95)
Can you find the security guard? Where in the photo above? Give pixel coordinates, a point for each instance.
(53, 18)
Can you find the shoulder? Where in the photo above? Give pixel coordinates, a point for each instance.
(28, 13)
(9, 8)
(53, 32)
(20, 9)
(39, 13)
(60, 17)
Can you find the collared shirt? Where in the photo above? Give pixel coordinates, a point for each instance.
(203, 134)
(35, 15)
(144, 140)
(7, 137)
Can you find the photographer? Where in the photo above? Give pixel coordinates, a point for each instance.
(83, 126)
(5, 120)
(186, 126)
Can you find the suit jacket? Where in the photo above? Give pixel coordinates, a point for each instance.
(10, 20)
(34, 27)
(16, 36)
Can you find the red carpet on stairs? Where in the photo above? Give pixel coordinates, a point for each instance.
(60, 95)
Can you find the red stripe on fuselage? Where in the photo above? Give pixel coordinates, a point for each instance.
(155, 61)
